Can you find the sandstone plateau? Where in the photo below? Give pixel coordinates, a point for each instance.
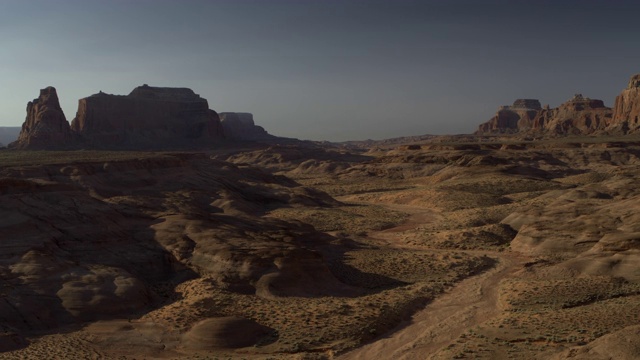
(151, 118)
(147, 117)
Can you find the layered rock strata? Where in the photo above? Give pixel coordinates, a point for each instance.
(148, 117)
(626, 111)
(580, 115)
(507, 118)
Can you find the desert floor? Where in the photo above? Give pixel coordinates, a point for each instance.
(453, 249)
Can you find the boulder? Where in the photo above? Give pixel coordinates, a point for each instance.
(45, 127)
(149, 117)
(240, 126)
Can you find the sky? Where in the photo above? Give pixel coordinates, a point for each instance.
(323, 69)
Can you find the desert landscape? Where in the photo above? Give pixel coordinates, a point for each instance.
(319, 180)
(169, 239)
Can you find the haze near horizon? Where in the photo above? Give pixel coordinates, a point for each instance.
(323, 70)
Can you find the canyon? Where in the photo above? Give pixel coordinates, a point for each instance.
(154, 227)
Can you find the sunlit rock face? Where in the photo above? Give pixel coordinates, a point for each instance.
(579, 115)
(626, 111)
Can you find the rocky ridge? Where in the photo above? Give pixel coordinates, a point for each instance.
(578, 116)
(150, 118)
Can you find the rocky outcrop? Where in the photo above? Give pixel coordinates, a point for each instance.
(580, 115)
(149, 117)
(240, 126)
(45, 127)
(508, 118)
(626, 111)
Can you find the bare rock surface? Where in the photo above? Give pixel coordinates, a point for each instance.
(45, 126)
(627, 106)
(507, 118)
(151, 117)
(579, 115)
(240, 126)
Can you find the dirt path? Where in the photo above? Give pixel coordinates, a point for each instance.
(467, 304)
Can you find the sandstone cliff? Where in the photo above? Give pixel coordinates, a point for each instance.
(627, 106)
(241, 126)
(45, 127)
(149, 117)
(507, 118)
(580, 115)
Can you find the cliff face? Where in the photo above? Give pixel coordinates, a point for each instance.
(45, 126)
(148, 116)
(579, 115)
(626, 111)
(241, 126)
(510, 119)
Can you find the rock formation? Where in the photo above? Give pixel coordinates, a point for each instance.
(150, 117)
(626, 111)
(580, 115)
(508, 117)
(45, 127)
(241, 126)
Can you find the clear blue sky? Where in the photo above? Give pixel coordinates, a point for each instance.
(323, 69)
